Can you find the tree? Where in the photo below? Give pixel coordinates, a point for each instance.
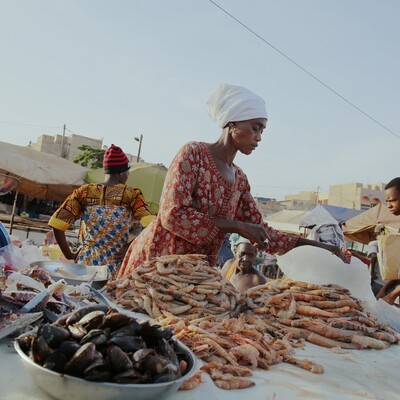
(92, 158)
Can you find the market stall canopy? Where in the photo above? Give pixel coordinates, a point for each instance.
(324, 214)
(361, 227)
(286, 220)
(40, 175)
(149, 178)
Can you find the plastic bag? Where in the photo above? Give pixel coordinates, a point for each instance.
(13, 258)
(389, 255)
(52, 251)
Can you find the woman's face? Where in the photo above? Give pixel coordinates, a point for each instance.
(247, 134)
(392, 197)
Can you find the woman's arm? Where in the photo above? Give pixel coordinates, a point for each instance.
(69, 211)
(278, 242)
(387, 287)
(62, 242)
(180, 211)
(333, 249)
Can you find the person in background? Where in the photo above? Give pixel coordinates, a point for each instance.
(376, 278)
(106, 210)
(49, 239)
(267, 264)
(328, 233)
(225, 253)
(240, 270)
(391, 289)
(206, 195)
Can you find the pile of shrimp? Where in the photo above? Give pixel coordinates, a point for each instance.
(234, 333)
(179, 284)
(233, 347)
(326, 315)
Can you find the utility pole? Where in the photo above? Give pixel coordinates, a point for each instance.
(62, 143)
(140, 146)
(316, 196)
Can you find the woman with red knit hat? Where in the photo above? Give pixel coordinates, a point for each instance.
(106, 210)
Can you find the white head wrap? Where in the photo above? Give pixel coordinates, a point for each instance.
(231, 103)
(235, 240)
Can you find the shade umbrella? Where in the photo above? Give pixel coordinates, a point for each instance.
(361, 227)
(40, 175)
(147, 177)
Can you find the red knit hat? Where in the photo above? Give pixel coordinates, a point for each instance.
(115, 160)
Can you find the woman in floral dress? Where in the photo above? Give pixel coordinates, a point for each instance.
(206, 195)
(107, 212)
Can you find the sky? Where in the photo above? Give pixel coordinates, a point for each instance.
(328, 71)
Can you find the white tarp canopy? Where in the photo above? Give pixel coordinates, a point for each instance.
(41, 175)
(286, 220)
(324, 214)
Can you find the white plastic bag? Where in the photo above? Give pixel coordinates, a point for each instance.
(14, 259)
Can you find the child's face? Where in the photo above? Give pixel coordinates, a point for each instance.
(392, 197)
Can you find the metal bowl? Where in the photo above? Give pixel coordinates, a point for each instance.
(76, 269)
(66, 387)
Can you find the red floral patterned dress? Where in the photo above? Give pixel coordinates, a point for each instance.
(194, 193)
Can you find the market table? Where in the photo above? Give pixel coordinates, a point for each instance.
(351, 375)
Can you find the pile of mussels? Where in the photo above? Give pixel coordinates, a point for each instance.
(98, 344)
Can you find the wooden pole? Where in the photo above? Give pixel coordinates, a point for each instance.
(13, 212)
(62, 155)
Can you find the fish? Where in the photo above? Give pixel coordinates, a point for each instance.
(13, 322)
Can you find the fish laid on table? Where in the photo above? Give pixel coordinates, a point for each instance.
(13, 322)
(31, 294)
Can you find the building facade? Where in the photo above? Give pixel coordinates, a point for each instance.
(64, 146)
(357, 195)
(67, 146)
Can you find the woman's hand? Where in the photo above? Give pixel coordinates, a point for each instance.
(337, 251)
(64, 246)
(257, 234)
(73, 256)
